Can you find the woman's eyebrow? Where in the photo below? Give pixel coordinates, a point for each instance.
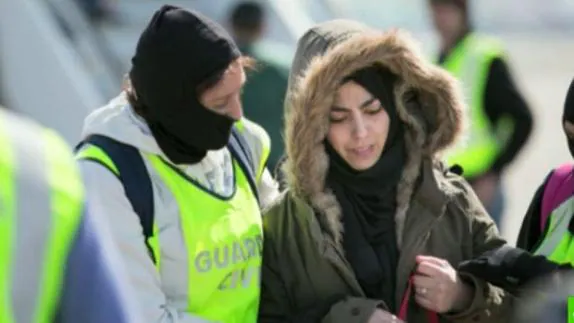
(367, 102)
(337, 108)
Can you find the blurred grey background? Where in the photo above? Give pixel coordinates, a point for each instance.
(60, 59)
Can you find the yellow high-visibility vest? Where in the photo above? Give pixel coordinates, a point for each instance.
(558, 242)
(41, 196)
(223, 238)
(469, 61)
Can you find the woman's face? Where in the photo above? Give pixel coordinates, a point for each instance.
(359, 126)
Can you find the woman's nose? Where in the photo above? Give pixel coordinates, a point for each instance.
(360, 128)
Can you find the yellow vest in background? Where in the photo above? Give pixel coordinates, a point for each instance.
(469, 61)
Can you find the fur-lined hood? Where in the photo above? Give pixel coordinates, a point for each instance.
(428, 102)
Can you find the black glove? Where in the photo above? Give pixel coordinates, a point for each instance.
(509, 268)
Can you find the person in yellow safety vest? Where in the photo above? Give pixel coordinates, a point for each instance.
(55, 265)
(500, 121)
(548, 226)
(544, 258)
(545, 246)
(183, 173)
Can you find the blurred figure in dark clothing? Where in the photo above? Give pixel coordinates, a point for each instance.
(500, 121)
(99, 10)
(248, 23)
(264, 92)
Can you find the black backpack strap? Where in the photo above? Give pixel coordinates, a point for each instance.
(242, 152)
(134, 177)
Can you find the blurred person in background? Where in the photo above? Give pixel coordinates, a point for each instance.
(264, 91)
(100, 10)
(373, 222)
(500, 120)
(56, 262)
(183, 173)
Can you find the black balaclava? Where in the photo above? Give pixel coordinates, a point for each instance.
(368, 198)
(568, 114)
(178, 50)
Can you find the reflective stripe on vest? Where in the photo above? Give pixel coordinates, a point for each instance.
(558, 243)
(40, 207)
(469, 62)
(264, 151)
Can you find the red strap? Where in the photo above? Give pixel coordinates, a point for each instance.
(432, 317)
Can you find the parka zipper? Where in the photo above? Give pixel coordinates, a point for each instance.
(415, 250)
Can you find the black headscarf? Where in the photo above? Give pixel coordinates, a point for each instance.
(568, 114)
(178, 50)
(368, 198)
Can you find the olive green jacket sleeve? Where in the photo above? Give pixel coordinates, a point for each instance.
(489, 303)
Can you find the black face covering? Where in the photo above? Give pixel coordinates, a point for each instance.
(368, 198)
(187, 138)
(178, 51)
(568, 114)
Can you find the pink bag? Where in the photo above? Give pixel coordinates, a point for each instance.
(559, 188)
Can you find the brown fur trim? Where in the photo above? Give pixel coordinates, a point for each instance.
(428, 102)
